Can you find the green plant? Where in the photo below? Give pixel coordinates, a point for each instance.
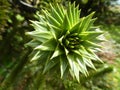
(63, 39)
(4, 9)
(99, 6)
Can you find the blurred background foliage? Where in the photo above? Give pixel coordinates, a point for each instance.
(14, 22)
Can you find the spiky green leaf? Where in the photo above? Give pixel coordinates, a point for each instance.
(62, 38)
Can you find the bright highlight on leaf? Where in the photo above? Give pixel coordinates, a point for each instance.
(68, 40)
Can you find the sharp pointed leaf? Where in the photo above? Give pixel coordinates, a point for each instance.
(58, 51)
(63, 65)
(47, 46)
(33, 43)
(56, 14)
(85, 23)
(40, 36)
(83, 68)
(89, 63)
(50, 64)
(38, 26)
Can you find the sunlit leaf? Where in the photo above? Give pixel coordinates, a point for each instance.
(50, 64)
(63, 65)
(47, 46)
(64, 40)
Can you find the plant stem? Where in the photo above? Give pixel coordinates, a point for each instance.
(9, 80)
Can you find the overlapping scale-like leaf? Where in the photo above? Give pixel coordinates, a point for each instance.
(77, 65)
(39, 26)
(33, 43)
(75, 13)
(48, 45)
(89, 35)
(50, 64)
(71, 17)
(56, 15)
(40, 36)
(63, 64)
(57, 52)
(82, 65)
(85, 23)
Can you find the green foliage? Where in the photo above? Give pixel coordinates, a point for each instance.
(4, 7)
(17, 73)
(12, 41)
(70, 41)
(98, 6)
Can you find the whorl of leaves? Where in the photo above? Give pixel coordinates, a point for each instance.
(61, 38)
